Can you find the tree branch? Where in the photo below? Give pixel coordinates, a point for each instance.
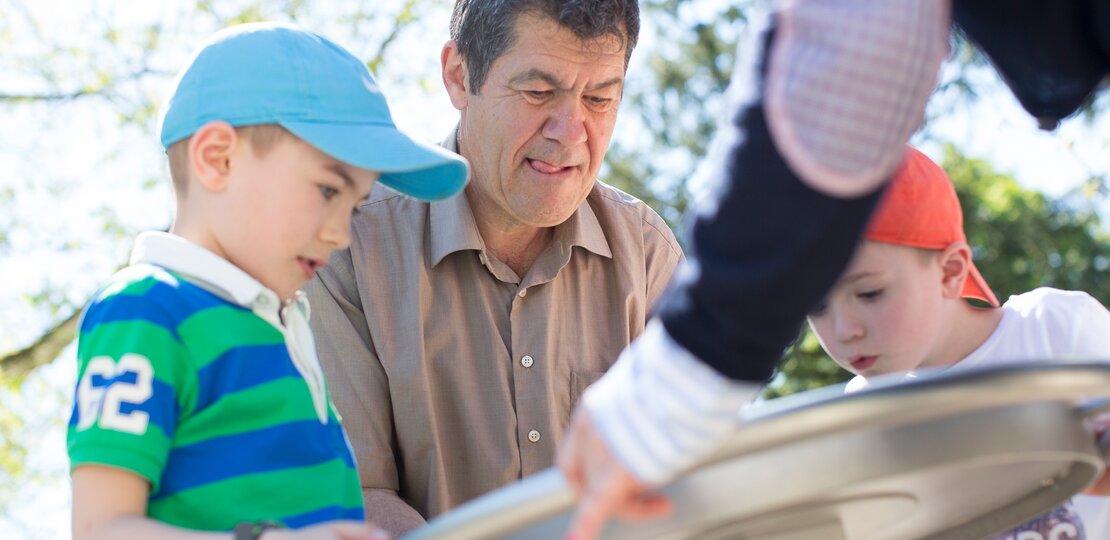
(28, 98)
(99, 90)
(44, 350)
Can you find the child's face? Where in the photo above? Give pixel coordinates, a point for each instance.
(287, 211)
(884, 315)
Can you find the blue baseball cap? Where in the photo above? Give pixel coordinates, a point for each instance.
(272, 73)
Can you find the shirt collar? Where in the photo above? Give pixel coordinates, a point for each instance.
(206, 269)
(453, 227)
(583, 229)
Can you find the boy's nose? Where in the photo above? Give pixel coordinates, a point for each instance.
(846, 326)
(336, 233)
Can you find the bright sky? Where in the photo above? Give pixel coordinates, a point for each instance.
(72, 164)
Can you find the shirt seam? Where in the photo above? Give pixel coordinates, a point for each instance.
(635, 205)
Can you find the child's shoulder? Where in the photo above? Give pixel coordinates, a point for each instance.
(151, 283)
(1047, 304)
(147, 292)
(1070, 324)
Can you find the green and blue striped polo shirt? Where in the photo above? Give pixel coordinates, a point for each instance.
(200, 395)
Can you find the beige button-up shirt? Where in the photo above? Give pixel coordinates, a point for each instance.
(453, 375)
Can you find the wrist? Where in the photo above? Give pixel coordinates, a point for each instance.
(256, 530)
(660, 410)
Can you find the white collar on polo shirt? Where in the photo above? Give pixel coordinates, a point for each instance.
(218, 276)
(210, 271)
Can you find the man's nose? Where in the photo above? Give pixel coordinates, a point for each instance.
(567, 122)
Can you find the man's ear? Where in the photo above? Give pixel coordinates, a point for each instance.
(455, 77)
(210, 150)
(955, 263)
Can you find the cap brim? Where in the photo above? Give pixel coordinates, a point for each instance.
(976, 287)
(416, 169)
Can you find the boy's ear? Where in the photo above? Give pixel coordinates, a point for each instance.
(210, 150)
(455, 77)
(955, 263)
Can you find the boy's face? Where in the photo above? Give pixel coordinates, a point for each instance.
(537, 131)
(885, 314)
(283, 213)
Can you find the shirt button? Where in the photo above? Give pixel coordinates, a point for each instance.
(522, 293)
(526, 361)
(534, 436)
(482, 258)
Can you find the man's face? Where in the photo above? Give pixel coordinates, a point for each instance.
(537, 131)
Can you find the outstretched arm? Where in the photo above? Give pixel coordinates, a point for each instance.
(819, 114)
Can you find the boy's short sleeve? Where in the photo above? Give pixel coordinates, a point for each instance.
(132, 372)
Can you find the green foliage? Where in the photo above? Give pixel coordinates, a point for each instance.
(674, 101)
(806, 367)
(12, 456)
(1023, 240)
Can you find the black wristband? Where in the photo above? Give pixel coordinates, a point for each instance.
(251, 530)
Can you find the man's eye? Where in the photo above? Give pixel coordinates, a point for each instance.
(600, 102)
(538, 95)
(328, 192)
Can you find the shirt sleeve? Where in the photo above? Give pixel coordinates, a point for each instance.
(659, 409)
(764, 247)
(131, 370)
(356, 379)
(663, 256)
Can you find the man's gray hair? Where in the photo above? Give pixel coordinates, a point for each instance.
(483, 29)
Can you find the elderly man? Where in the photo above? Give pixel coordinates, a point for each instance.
(457, 336)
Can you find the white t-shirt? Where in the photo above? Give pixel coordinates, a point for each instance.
(1047, 324)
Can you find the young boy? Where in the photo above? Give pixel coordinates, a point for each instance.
(899, 306)
(200, 404)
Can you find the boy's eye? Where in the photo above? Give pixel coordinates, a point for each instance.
(328, 192)
(871, 295)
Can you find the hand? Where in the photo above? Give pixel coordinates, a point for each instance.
(332, 530)
(603, 486)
